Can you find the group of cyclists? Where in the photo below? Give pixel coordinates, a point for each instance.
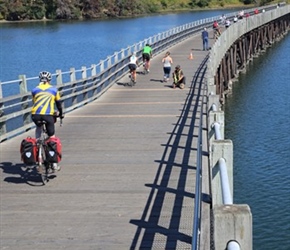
(133, 61)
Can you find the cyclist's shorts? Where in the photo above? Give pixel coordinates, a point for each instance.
(49, 122)
(146, 57)
(132, 66)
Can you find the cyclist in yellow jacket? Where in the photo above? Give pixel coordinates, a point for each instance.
(45, 98)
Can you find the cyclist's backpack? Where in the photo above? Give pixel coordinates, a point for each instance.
(28, 151)
(53, 150)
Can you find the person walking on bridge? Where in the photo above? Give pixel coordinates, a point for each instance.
(167, 62)
(204, 36)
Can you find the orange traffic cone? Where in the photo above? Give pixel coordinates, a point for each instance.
(190, 56)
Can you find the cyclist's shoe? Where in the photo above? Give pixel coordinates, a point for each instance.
(39, 169)
(55, 167)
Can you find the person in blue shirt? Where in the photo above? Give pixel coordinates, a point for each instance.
(204, 36)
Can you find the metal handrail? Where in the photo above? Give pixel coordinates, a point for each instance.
(217, 130)
(233, 245)
(226, 191)
(197, 204)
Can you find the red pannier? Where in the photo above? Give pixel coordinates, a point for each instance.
(28, 151)
(53, 150)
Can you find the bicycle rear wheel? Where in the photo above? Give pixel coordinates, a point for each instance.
(132, 82)
(43, 166)
(44, 170)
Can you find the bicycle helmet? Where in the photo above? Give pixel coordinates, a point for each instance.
(45, 76)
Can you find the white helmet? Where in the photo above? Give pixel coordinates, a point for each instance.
(45, 76)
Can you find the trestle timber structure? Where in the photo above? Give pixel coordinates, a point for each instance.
(245, 47)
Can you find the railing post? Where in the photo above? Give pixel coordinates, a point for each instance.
(73, 84)
(22, 84)
(93, 70)
(220, 149)
(24, 99)
(3, 128)
(84, 78)
(115, 57)
(84, 72)
(58, 77)
(102, 66)
(232, 223)
(72, 74)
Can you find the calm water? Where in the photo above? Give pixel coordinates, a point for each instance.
(257, 113)
(258, 122)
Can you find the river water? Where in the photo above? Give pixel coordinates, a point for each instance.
(257, 121)
(257, 113)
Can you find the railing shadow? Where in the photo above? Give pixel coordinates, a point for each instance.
(149, 227)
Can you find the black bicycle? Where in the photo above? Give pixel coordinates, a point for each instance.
(132, 79)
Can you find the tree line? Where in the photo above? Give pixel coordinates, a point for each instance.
(14, 10)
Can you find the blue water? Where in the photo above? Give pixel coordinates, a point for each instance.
(258, 122)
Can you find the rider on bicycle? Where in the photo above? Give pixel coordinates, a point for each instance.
(133, 63)
(216, 28)
(45, 97)
(146, 55)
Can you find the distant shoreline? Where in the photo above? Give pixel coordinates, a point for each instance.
(123, 17)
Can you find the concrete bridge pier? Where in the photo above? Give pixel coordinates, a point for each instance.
(232, 223)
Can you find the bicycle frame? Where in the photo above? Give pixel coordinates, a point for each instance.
(145, 66)
(44, 168)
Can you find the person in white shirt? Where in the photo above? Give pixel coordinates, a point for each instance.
(133, 63)
(167, 62)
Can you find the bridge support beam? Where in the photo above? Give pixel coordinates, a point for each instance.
(232, 223)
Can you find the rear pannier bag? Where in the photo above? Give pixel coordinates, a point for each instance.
(28, 151)
(53, 150)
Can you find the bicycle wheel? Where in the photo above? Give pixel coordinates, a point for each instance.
(43, 166)
(44, 172)
(132, 82)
